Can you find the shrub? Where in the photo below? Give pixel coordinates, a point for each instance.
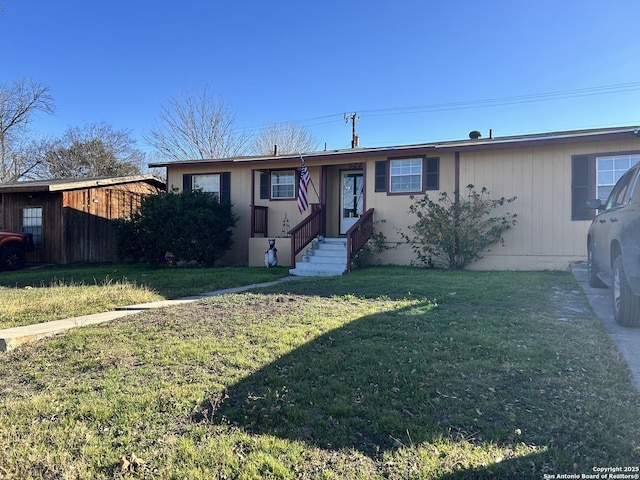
(368, 254)
(187, 226)
(455, 230)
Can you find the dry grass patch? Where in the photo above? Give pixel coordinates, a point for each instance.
(29, 305)
(52, 293)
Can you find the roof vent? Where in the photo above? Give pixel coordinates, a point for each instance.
(474, 135)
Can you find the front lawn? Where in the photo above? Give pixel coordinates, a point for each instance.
(53, 293)
(387, 372)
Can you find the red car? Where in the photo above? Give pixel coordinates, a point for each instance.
(13, 246)
(613, 247)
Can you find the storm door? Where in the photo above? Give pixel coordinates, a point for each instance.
(351, 198)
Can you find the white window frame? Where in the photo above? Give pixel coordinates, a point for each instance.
(209, 183)
(609, 169)
(283, 184)
(32, 223)
(406, 175)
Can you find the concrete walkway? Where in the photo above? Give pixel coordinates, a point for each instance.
(626, 339)
(14, 337)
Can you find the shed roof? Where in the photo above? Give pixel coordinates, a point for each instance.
(457, 145)
(77, 183)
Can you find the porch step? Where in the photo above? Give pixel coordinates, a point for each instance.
(325, 258)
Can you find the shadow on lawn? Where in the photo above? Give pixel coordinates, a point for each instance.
(380, 383)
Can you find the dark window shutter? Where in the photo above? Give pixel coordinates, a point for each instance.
(264, 185)
(225, 187)
(432, 173)
(381, 176)
(186, 182)
(580, 187)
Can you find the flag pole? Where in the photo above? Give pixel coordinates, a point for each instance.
(311, 180)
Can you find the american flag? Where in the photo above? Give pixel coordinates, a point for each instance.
(303, 200)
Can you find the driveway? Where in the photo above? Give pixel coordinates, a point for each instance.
(627, 340)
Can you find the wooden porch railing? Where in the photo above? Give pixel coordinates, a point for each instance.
(259, 221)
(358, 235)
(303, 233)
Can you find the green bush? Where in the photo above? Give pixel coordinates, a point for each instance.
(189, 226)
(377, 244)
(455, 230)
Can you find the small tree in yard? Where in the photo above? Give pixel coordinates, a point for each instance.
(453, 231)
(190, 226)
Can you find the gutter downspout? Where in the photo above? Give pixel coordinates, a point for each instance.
(456, 185)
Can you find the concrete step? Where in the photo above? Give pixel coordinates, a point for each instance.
(331, 247)
(316, 270)
(324, 257)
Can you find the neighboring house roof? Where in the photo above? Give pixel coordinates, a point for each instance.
(467, 144)
(77, 183)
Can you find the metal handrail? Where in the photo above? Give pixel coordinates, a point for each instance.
(358, 234)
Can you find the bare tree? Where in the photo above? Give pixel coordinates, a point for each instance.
(288, 137)
(19, 102)
(96, 150)
(196, 127)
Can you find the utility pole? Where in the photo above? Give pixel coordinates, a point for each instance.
(353, 118)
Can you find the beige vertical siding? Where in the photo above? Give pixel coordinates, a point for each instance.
(392, 211)
(545, 237)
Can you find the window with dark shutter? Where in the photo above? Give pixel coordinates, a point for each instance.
(186, 182)
(432, 174)
(381, 176)
(218, 184)
(225, 187)
(283, 184)
(580, 187)
(264, 185)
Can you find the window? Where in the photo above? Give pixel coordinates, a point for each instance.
(620, 194)
(405, 175)
(594, 176)
(283, 184)
(216, 183)
(636, 191)
(32, 223)
(609, 170)
(206, 183)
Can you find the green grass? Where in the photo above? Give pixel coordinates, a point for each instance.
(53, 293)
(387, 372)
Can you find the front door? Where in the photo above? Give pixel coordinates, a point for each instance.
(351, 198)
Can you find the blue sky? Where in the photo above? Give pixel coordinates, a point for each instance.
(414, 71)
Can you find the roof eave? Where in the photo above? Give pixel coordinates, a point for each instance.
(57, 186)
(456, 145)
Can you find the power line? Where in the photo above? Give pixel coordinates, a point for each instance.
(466, 104)
(501, 101)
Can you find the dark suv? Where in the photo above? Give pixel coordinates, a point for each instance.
(613, 247)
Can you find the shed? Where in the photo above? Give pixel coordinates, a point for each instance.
(71, 219)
